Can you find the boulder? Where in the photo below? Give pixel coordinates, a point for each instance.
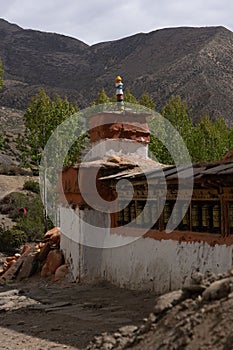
(53, 261)
(53, 236)
(197, 277)
(168, 300)
(45, 271)
(61, 272)
(218, 289)
(28, 267)
(44, 251)
(25, 248)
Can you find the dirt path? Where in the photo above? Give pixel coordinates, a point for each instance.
(10, 184)
(69, 316)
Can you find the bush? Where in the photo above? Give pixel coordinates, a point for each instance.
(32, 186)
(33, 222)
(11, 239)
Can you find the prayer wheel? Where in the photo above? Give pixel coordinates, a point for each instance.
(132, 211)
(205, 217)
(216, 217)
(139, 217)
(195, 217)
(185, 221)
(166, 213)
(147, 216)
(126, 214)
(231, 217)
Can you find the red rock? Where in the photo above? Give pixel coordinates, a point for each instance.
(25, 248)
(10, 258)
(45, 271)
(44, 251)
(61, 272)
(53, 261)
(53, 236)
(10, 263)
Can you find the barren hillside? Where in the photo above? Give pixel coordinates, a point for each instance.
(196, 63)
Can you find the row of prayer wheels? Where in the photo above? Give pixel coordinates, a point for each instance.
(198, 217)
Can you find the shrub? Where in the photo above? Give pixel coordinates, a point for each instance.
(11, 239)
(33, 222)
(32, 186)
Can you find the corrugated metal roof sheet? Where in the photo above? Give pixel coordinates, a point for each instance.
(171, 172)
(218, 169)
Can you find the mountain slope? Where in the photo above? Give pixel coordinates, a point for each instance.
(196, 63)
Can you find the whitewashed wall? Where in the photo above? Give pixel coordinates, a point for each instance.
(145, 264)
(118, 147)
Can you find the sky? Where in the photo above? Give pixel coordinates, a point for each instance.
(94, 21)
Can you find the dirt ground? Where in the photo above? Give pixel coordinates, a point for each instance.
(65, 315)
(68, 315)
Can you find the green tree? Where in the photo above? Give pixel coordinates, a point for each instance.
(177, 113)
(130, 98)
(230, 140)
(42, 117)
(1, 75)
(211, 139)
(102, 97)
(147, 101)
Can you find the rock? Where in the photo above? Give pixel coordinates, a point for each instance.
(152, 318)
(25, 248)
(44, 250)
(168, 300)
(9, 293)
(12, 272)
(12, 300)
(61, 272)
(10, 258)
(194, 288)
(11, 263)
(28, 267)
(53, 261)
(53, 236)
(127, 330)
(211, 277)
(197, 278)
(45, 271)
(109, 339)
(107, 346)
(218, 290)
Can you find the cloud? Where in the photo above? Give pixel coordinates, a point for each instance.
(95, 21)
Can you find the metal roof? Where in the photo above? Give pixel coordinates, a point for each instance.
(183, 172)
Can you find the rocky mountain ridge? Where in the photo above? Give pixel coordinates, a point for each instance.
(195, 63)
